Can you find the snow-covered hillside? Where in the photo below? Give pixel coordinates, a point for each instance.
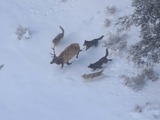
(33, 89)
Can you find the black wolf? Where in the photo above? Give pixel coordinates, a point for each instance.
(100, 62)
(93, 42)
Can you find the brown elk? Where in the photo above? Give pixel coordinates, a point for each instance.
(67, 54)
(59, 37)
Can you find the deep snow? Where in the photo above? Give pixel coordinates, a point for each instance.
(32, 89)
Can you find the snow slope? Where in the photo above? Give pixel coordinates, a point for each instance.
(32, 89)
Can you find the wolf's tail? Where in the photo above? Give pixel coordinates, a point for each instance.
(106, 52)
(62, 29)
(100, 38)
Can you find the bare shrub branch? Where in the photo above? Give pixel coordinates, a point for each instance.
(1, 66)
(107, 22)
(138, 81)
(116, 42)
(111, 9)
(23, 32)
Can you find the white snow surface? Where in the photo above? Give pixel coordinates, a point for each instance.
(33, 89)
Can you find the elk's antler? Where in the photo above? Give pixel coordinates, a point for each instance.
(53, 54)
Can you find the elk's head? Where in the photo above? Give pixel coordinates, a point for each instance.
(57, 60)
(53, 61)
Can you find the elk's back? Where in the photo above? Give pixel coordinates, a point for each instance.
(69, 52)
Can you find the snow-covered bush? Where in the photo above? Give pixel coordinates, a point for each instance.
(1, 66)
(145, 53)
(116, 42)
(146, 17)
(138, 81)
(23, 32)
(63, 0)
(107, 22)
(111, 9)
(150, 74)
(140, 108)
(124, 23)
(151, 111)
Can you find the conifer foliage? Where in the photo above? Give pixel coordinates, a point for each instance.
(146, 15)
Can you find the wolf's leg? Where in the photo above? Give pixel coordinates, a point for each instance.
(69, 63)
(96, 44)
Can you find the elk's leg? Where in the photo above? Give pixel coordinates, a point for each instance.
(78, 53)
(62, 65)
